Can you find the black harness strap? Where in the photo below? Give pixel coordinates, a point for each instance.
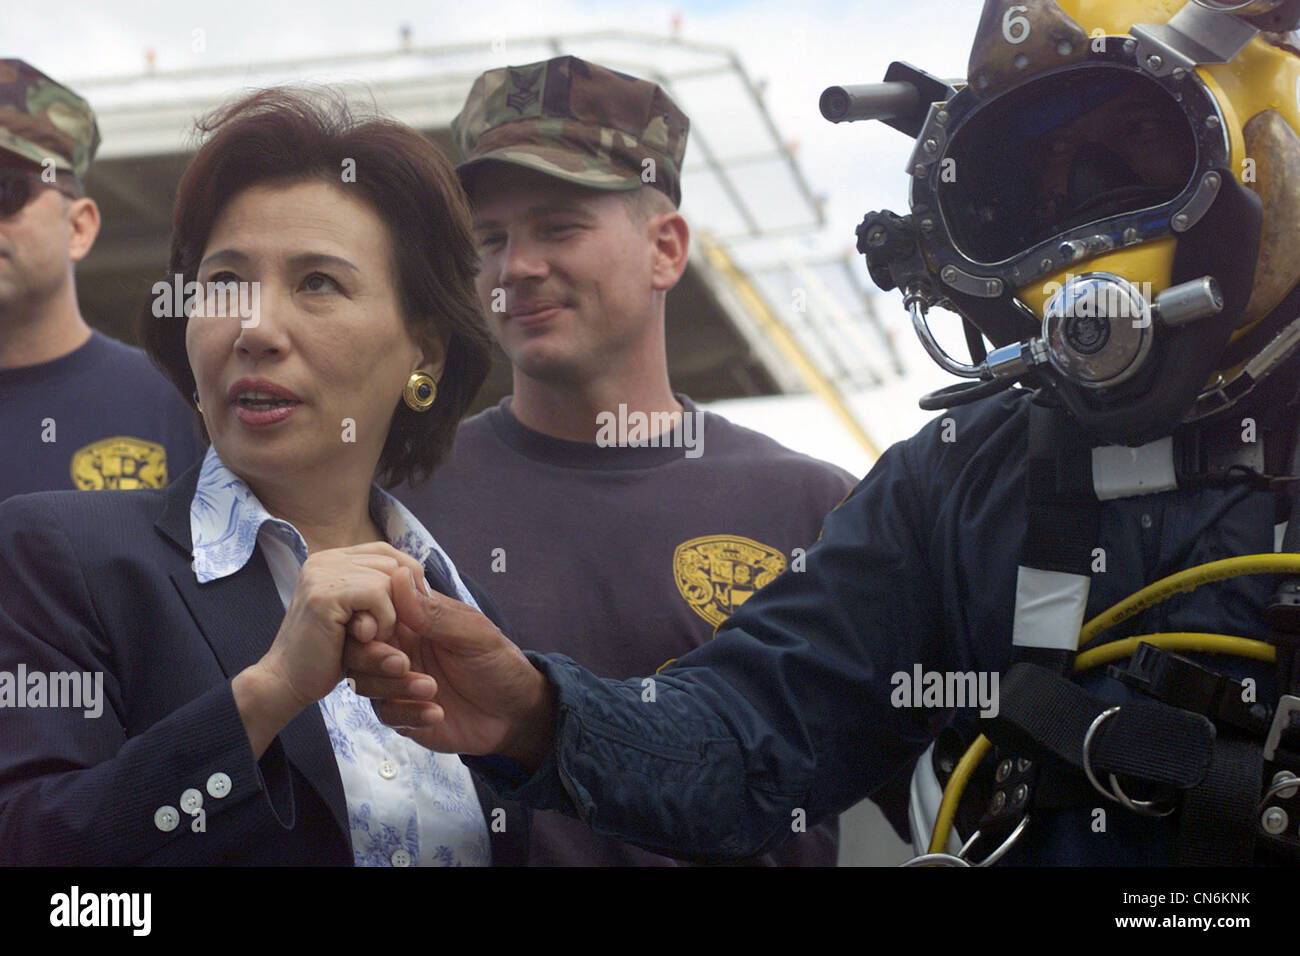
(1063, 510)
(1045, 716)
(1284, 611)
(1063, 517)
(1217, 827)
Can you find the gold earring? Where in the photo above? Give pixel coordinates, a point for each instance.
(421, 392)
(197, 407)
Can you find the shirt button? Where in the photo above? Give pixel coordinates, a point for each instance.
(401, 858)
(191, 801)
(218, 785)
(388, 770)
(1146, 521)
(166, 819)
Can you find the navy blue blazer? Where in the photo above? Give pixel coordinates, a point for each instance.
(101, 582)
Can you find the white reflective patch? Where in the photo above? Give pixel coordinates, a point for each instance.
(1049, 608)
(1279, 532)
(1119, 472)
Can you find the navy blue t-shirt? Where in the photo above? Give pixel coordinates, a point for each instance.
(101, 416)
(626, 557)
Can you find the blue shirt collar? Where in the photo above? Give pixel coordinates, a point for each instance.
(226, 517)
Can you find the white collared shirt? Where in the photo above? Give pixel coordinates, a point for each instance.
(407, 806)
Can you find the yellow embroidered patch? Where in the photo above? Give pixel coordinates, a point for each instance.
(119, 462)
(718, 573)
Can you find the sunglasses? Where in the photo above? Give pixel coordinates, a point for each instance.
(18, 188)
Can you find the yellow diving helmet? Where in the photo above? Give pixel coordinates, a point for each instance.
(1112, 199)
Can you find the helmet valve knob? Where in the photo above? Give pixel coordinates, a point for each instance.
(1189, 301)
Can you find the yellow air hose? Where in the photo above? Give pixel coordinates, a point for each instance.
(1132, 605)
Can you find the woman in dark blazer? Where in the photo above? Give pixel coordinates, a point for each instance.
(171, 681)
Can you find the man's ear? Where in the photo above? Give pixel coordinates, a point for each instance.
(672, 243)
(83, 218)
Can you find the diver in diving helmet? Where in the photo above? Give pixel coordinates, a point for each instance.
(1111, 204)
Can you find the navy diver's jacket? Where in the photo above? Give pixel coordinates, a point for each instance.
(789, 708)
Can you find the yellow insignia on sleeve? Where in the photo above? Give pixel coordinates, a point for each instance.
(119, 462)
(718, 573)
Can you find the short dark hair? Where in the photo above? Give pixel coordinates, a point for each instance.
(286, 136)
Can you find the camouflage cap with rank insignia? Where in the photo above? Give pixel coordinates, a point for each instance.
(41, 119)
(576, 121)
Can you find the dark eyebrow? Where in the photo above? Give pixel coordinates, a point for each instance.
(303, 259)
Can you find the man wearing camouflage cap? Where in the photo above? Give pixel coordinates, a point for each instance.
(622, 548)
(77, 408)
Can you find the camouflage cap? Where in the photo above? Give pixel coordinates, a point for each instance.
(41, 119)
(576, 121)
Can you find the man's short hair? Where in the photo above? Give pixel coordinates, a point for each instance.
(646, 202)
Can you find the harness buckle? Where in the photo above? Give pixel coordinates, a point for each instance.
(1286, 706)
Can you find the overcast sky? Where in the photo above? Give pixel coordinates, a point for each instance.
(799, 52)
(797, 48)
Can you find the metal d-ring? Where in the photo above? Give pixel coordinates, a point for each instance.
(965, 847)
(935, 859)
(943, 859)
(1276, 787)
(1002, 849)
(1087, 761)
(1145, 808)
